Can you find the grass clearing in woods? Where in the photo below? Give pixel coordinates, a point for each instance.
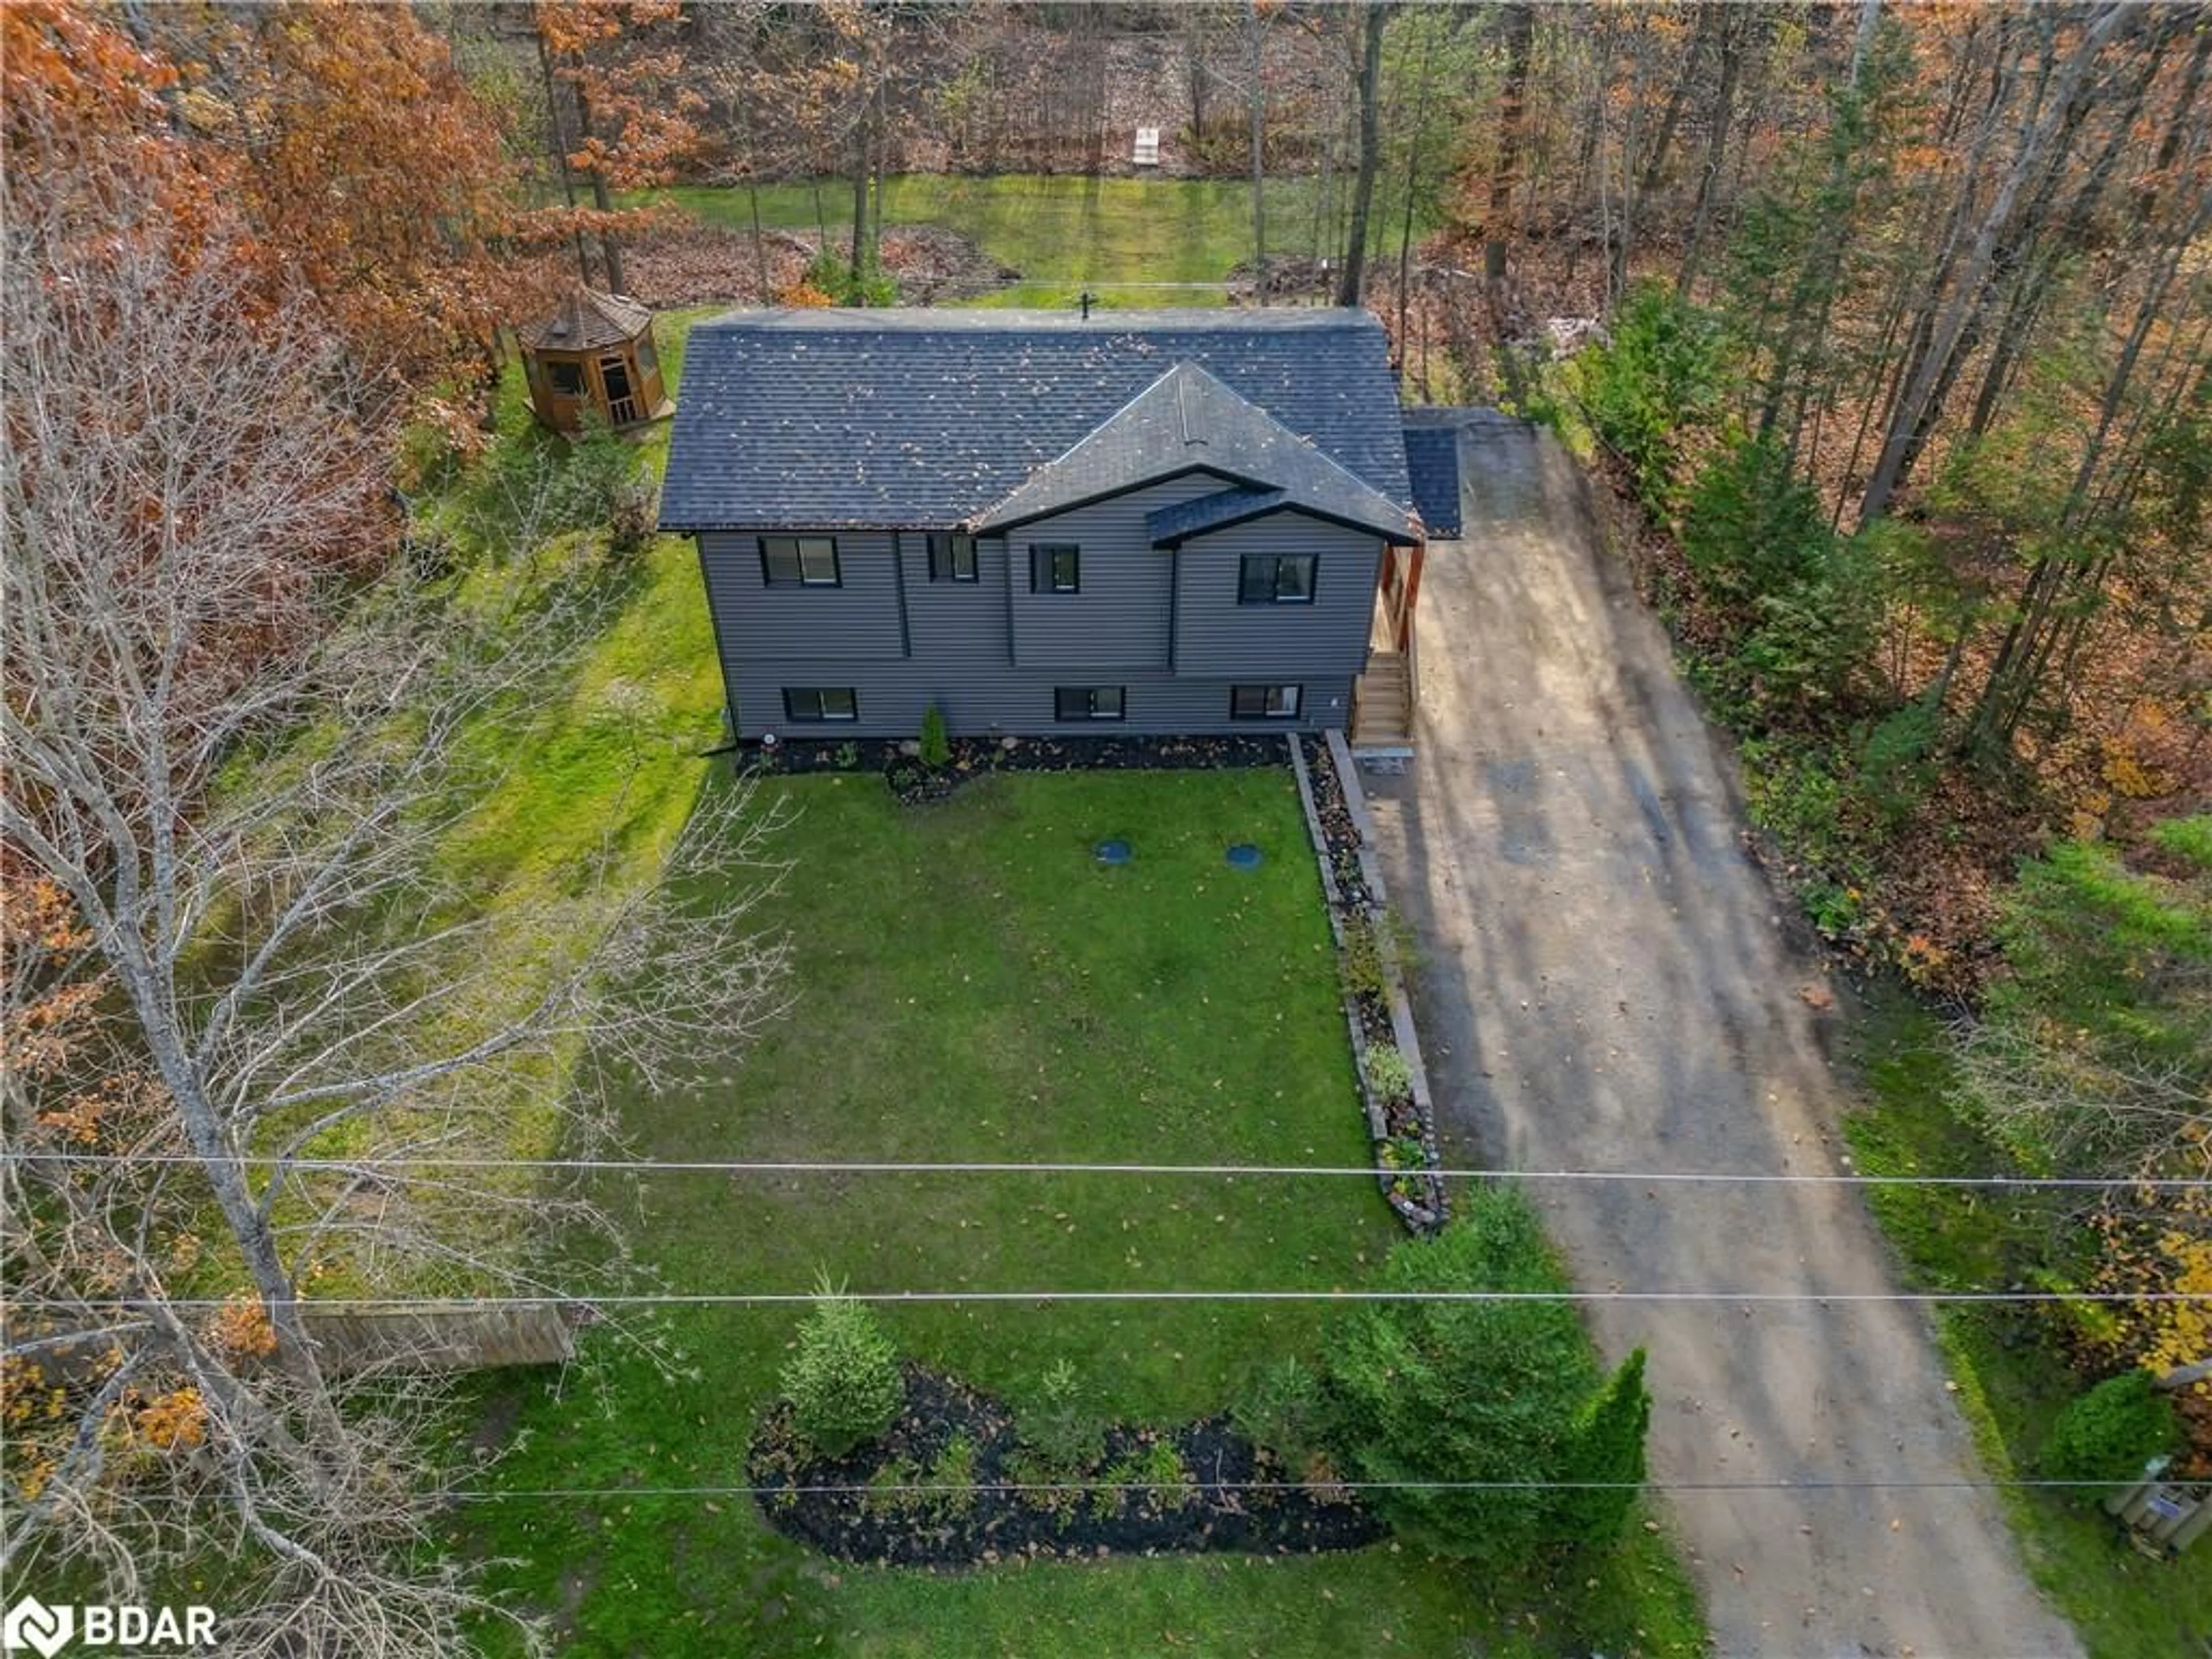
(1062, 233)
(2011, 1380)
(970, 984)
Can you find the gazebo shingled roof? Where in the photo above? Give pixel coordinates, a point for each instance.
(587, 320)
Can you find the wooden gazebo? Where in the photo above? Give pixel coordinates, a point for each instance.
(593, 351)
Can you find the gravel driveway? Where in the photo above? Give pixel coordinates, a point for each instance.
(1606, 986)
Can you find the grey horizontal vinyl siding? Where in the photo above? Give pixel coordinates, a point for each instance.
(1122, 619)
(959, 627)
(894, 696)
(902, 643)
(859, 620)
(1217, 635)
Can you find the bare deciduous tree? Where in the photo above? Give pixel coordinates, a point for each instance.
(259, 995)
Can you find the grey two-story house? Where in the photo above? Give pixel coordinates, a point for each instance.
(1170, 522)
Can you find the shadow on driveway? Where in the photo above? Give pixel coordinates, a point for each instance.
(1606, 984)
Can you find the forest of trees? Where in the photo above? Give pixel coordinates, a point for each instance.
(1899, 323)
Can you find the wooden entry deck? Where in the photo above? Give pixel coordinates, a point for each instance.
(1384, 697)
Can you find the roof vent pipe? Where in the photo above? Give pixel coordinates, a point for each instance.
(1086, 299)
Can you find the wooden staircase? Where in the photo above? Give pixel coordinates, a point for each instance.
(1383, 702)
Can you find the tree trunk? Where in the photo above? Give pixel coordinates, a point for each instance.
(1937, 363)
(1712, 20)
(1618, 248)
(609, 252)
(1256, 116)
(852, 265)
(2025, 304)
(1351, 286)
(1520, 23)
(558, 142)
(1413, 178)
(2182, 1376)
(1734, 27)
(2015, 671)
(1820, 272)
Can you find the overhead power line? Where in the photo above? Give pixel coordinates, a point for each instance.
(373, 1165)
(603, 1494)
(784, 1299)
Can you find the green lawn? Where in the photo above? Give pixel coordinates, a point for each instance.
(971, 985)
(2011, 1380)
(1063, 233)
(968, 984)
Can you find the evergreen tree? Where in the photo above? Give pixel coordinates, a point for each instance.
(1607, 1455)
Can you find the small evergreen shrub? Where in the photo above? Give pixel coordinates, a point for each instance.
(953, 1469)
(1799, 597)
(2110, 1432)
(1661, 376)
(1166, 1478)
(1282, 1412)
(1060, 1431)
(843, 1382)
(871, 286)
(1895, 764)
(1388, 1073)
(1606, 1454)
(1461, 1391)
(935, 746)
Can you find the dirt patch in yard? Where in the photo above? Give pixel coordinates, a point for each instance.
(718, 264)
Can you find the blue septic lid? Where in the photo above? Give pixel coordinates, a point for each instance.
(1112, 852)
(1244, 856)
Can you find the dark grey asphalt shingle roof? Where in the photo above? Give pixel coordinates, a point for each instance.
(1171, 525)
(1188, 419)
(831, 419)
(1432, 460)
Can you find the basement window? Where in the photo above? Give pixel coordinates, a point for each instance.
(1089, 702)
(805, 705)
(1264, 702)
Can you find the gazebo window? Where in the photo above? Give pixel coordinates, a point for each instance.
(568, 379)
(646, 363)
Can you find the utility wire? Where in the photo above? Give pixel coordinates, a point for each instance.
(786, 1298)
(373, 1165)
(835, 1489)
(856, 1488)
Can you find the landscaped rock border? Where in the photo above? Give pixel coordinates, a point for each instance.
(1232, 1496)
(1360, 917)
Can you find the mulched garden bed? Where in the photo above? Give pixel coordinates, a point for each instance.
(1340, 834)
(977, 1520)
(978, 757)
(1406, 1150)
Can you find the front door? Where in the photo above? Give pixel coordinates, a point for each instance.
(622, 403)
